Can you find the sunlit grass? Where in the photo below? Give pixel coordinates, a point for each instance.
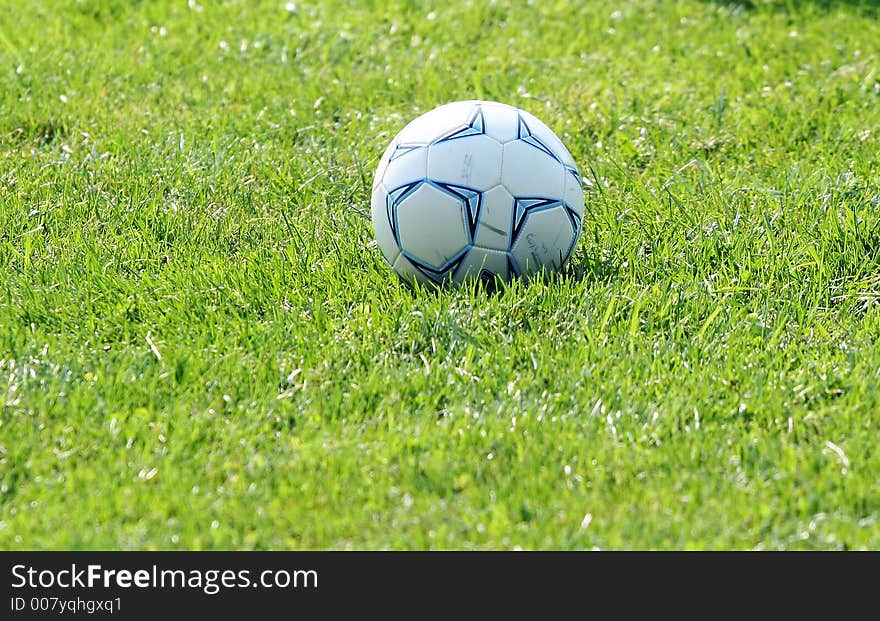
(200, 347)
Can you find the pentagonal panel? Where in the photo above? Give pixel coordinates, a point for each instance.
(496, 217)
(405, 166)
(543, 238)
(436, 123)
(482, 263)
(471, 160)
(381, 217)
(532, 126)
(501, 121)
(574, 191)
(431, 227)
(529, 171)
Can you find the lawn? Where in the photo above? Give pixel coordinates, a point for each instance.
(201, 346)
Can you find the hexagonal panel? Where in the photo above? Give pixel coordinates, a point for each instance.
(431, 226)
(406, 167)
(435, 123)
(501, 121)
(529, 171)
(496, 217)
(472, 161)
(482, 263)
(382, 224)
(543, 238)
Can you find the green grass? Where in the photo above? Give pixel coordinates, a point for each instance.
(201, 348)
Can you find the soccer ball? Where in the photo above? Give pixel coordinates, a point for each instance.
(476, 189)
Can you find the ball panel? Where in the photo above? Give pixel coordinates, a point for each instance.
(409, 273)
(501, 121)
(406, 168)
(544, 240)
(529, 171)
(473, 161)
(548, 137)
(383, 163)
(431, 226)
(382, 225)
(482, 263)
(436, 123)
(493, 228)
(574, 193)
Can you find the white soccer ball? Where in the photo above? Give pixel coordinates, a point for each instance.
(476, 189)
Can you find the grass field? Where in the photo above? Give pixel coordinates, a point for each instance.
(200, 347)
